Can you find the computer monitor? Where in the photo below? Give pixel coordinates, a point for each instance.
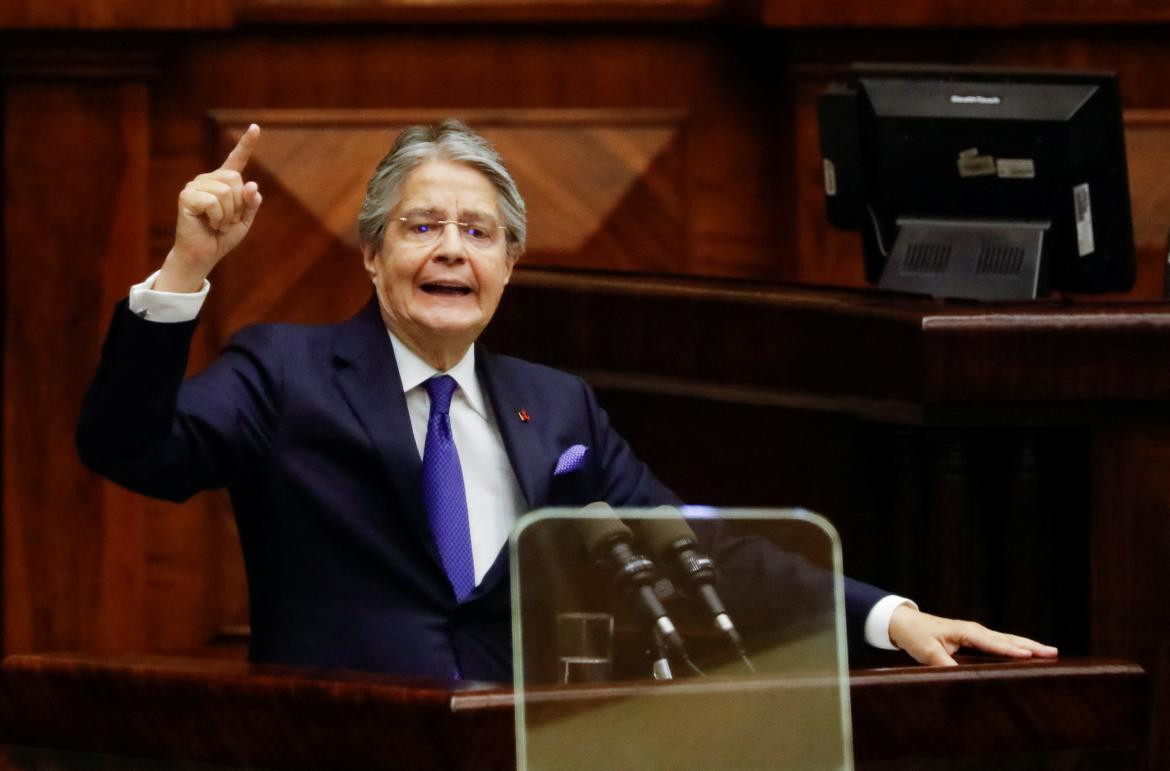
(984, 183)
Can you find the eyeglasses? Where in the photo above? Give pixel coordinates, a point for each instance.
(425, 230)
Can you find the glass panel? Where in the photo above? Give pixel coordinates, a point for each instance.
(633, 650)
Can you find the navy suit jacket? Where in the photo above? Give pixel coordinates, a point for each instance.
(307, 427)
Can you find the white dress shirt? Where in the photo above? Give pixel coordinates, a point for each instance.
(494, 500)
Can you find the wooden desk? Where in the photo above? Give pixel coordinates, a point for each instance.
(1087, 713)
(1015, 458)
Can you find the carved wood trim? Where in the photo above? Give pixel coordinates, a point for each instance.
(603, 187)
(464, 11)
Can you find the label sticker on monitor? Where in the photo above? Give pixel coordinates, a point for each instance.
(1015, 168)
(830, 177)
(1084, 215)
(972, 164)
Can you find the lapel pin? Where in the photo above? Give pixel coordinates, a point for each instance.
(523, 416)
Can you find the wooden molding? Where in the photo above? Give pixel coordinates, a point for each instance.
(865, 14)
(77, 63)
(115, 14)
(464, 11)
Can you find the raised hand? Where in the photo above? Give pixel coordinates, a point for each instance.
(216, 210)
(932, 639)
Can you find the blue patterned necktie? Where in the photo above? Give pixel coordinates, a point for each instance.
(443, 492)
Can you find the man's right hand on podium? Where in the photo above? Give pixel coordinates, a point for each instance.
(932, 640)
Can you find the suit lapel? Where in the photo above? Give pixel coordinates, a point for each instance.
(521, 439)
(521, 442)
(367, 375)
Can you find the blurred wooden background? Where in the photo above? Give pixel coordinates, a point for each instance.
(659, 138)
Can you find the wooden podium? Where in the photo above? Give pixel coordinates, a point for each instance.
(1008, 463)
(75, 712)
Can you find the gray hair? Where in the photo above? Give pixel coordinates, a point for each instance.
(451, 140)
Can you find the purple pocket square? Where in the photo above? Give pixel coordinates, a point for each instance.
(572, 459)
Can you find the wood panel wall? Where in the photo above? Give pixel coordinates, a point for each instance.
(642, 148)
(666, 138)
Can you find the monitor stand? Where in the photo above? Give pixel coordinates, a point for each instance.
(981, 260)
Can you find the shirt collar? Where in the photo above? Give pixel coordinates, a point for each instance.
(413, 372)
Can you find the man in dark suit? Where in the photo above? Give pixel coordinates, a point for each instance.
(377, 465)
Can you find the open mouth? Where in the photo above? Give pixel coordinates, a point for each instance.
(442, 288)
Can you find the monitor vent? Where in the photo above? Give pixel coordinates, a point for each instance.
(926, 258)
(1000, 261)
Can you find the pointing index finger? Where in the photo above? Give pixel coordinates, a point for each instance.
(238, 158)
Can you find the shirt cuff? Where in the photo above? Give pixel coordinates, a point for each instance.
(166, 307)
(877, 623)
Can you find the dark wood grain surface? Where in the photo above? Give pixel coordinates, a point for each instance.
(877, 355)
(1039, 431)
(235, 713)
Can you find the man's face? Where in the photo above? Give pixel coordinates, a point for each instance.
(440, 296)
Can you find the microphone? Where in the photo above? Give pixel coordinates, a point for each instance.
(610, 542)
(673, 543)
